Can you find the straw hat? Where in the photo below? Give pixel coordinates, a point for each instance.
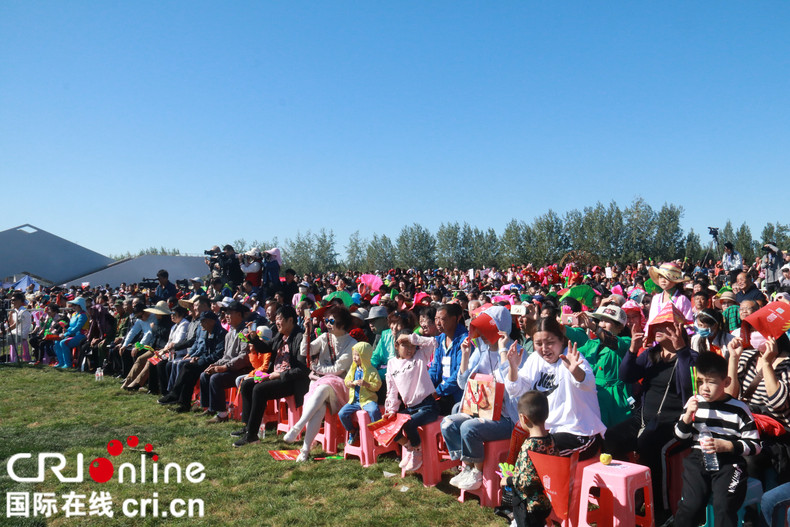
(159, 309)
(668, 270)
(727, 295)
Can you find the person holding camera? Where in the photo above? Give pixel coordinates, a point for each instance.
(251, 266)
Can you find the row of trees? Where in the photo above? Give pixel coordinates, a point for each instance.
(607, 232)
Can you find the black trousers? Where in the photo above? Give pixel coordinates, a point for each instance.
(624, 437)
(185, 382)
(254, 397)
(727, 486)
(162, 375)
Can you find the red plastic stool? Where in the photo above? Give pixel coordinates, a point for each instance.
(622, 479)
(561, 478)
(288, 414)
(233, 401)
(435, 458)
(368, 449)
(330, 432)
(672, 456)
(270, 414)
(196, 392)
(490, 492)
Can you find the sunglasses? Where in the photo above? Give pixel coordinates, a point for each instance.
(330, 321)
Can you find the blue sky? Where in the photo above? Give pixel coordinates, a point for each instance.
(189, 124)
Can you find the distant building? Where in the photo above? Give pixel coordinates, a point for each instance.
(28, 250)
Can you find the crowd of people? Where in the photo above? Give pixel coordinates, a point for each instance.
(622, 359)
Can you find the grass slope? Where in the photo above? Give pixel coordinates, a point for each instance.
(44, 410)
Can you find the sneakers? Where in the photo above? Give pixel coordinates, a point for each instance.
(304, 455)
(353, 439)
(239, 433)
(291, 435)
(244, 441)
(473, 481)
(455, 480)
(415, 461)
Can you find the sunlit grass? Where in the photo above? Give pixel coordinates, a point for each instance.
(44, 410)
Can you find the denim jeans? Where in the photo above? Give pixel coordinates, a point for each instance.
(465, 435)
(774, 505)
(426, 411)
(346, 414)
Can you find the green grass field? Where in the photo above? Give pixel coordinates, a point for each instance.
(44, 410)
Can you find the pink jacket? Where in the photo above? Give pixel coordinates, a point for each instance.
(409, 378)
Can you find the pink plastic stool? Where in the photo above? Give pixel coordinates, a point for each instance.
(329, 434)
(435, 458)
(288, 414)
(622, 480)
(490, 493)
(368, 449)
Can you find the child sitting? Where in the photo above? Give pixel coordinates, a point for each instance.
(363, 382)
(408, 377)
(735, 435)
(531, 506)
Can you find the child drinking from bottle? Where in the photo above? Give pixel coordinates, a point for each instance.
(724, 431)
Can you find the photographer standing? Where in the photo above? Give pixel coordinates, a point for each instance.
(771, 265)
(250, 263)
(229, 267)
(731, 262)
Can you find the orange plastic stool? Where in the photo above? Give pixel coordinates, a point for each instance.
(435, 458)
(622, 479)
(368, 449)
(490, 493)
(288, 414)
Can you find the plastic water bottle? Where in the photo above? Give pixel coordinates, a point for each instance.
(101, 374)
(98, 372)
(709, 459)
(262, 432)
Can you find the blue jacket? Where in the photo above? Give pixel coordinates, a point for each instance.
(75, 324)
(448, 386)
(213, 346)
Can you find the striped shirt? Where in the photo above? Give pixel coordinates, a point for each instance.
(728, 419)
(776, 406)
